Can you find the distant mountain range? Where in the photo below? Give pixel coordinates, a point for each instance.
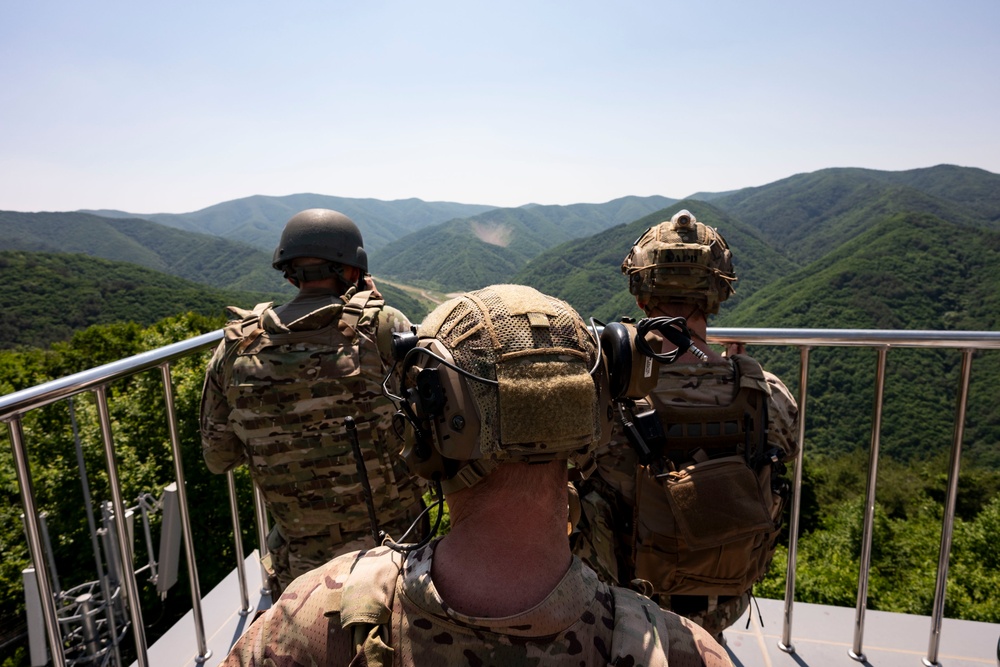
(491, 247)
(222, 263)
(782, 233)
(776, 232)
(835, 248)
(574, 252)
(258, 220)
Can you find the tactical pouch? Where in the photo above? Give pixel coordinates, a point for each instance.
(707, 529)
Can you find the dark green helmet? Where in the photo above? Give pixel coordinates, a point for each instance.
(322, 233)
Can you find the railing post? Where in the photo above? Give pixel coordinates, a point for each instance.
(238, 539)
(33, 534)
(121, 528)
(948, 522)
(869, 522)
(262, 530)
(88, 505)
(793, 528)
(175, 444)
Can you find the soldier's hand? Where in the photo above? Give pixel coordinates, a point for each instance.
(735, 348)
(370, 285)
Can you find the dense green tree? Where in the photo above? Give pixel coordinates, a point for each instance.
(143, 452)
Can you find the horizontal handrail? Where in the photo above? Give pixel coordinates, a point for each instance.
(22, 401)
(976, 340)
(19, 402)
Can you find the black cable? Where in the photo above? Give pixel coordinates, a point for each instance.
(673, 329)
(404, 548)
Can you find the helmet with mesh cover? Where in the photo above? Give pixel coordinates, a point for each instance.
(504, 373)
(681, 261)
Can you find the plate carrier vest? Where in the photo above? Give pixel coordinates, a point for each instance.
(708, 512)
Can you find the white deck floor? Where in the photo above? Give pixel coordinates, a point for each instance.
(823, 635)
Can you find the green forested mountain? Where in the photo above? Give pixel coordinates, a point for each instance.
(587, 272)
(48, 296)
(202, 258)
(807, 215)
(490, 247)
(906, 271)
(258, 220)
(834, 249)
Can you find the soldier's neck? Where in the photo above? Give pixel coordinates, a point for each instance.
(506, 551)
(697, 324)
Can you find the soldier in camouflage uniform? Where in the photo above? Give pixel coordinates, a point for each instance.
(282, 381)
(632, 532)
(500, 388)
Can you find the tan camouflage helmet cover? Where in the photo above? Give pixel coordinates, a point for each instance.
(681, 261)
(549, 396)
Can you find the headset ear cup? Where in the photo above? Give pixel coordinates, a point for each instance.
(605, 404)
(419, 453)
(616, 345)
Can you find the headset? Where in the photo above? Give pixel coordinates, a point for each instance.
(440, 425)
(633, 365)
(442, 418)
(435, 407)
(633, 371)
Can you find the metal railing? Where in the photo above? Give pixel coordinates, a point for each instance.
(14, 406)
(881, 340)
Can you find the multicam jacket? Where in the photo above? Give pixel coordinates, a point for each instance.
(276, 393)
(605, 538)
(385, 607)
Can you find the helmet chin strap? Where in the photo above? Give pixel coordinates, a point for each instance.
(313, 272)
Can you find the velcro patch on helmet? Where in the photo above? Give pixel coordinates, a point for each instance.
(431, 326)
(522, 300)
(545, 407)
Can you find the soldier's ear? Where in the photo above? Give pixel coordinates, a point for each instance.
(351, 274)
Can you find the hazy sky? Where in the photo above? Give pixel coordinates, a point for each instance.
(175, 106)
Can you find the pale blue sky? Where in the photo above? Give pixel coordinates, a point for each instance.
(172, 107)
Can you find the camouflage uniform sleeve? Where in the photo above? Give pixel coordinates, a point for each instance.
(690, 645)
(303, 627)
(220, 447)
(390, 321)
(783, 414)
(647, 635)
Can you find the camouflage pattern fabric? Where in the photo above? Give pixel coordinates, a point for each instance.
(342, 611)
(715, 620)
(594, 539)
(275, 397)
(673, 262)
(615, 481)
